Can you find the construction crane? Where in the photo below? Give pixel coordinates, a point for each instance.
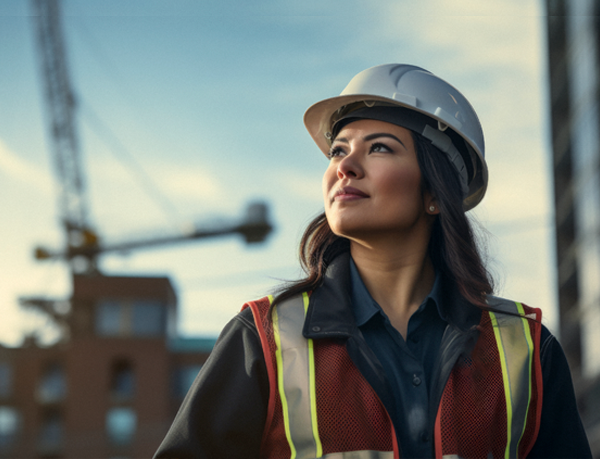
(83, 244)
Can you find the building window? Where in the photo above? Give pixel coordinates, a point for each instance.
(53, 385)
(51, 431)
(5, 379)
(10, 424)
(183, 378)
(148, 318)
(121, 424)
(109, 318)
(141, 318)
(122, 384)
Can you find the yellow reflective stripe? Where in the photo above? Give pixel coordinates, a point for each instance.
(529, 340)
(296, 385)
(364, 454)
(516, 350)
(280, 386)
(313, 386)
(505, 381)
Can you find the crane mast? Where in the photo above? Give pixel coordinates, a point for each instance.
(61, 119)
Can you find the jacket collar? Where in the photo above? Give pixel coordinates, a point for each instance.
(330, 312)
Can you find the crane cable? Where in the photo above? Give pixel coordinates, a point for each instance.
(110, 139)
(124, 156)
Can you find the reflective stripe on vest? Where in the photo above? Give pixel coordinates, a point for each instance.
(296, 378)
(515, 346)
(296, 385)
(361, 455)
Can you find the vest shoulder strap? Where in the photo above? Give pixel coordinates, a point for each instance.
(512, 307)
(293, 375)
(507, 354)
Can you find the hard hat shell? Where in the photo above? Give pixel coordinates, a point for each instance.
(416, 89)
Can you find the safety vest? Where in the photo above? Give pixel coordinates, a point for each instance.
(320, 405)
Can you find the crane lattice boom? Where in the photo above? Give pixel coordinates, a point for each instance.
(61, 105)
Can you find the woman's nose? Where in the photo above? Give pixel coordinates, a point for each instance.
(350, 167)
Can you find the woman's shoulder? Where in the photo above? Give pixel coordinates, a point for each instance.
(551, 349)
(244, 321)
(253, 310)
(510, 306)
(549, 345)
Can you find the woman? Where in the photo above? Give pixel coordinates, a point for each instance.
(392, 346)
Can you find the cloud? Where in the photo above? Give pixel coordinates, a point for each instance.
(176, 180)
(487, 33)
(462, 37)
(190, 183)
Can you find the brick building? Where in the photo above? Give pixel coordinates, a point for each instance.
(112, 388)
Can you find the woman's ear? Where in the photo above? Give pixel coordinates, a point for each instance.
(431, 206)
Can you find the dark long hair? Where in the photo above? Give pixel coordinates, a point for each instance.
(452, 247)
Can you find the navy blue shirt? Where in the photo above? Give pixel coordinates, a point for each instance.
(409, 364)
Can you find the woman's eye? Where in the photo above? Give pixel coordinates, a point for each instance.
(380, 148)
(334, 152)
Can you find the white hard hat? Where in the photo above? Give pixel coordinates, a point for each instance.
(431, 107)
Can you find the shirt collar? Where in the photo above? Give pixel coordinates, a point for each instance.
(330, 312)
(365, 307)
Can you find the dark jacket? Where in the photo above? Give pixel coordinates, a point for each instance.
(224, 413)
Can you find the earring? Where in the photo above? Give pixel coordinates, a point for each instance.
(431, 208)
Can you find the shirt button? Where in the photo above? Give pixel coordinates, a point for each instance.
(416, 380)
(316, 329)
(415, 339)
(425, 437)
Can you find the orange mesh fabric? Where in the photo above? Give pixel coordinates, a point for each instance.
(351, 417)
(473, 407)
(473, 418)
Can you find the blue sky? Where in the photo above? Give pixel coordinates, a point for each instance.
(208, 98)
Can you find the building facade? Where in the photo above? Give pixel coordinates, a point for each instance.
(112, 388)
(573, 38)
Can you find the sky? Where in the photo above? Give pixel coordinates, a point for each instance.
(187, 111)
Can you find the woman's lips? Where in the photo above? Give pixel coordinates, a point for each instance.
(349, 193)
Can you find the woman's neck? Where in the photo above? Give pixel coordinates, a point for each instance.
(399, 278)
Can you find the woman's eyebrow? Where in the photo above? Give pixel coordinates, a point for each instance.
(384, 134)
(340, 139)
